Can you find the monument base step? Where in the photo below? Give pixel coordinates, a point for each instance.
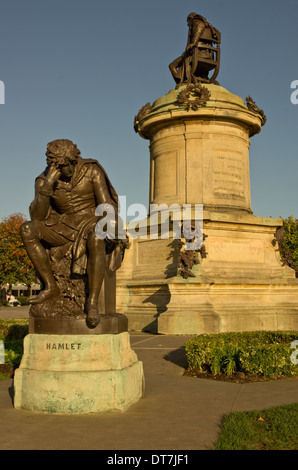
(194, 308)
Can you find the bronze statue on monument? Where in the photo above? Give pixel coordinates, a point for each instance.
(201, 55)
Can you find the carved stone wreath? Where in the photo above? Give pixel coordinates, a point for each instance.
(200, 92)
(251, 105)
(188, 258)
(143, 111)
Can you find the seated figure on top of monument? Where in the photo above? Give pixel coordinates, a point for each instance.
(202, 53)
(62, 226)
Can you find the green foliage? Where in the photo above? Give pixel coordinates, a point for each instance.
(23, 300)
(262, 352)
(14, 328)
(12, 333)
(15, 265)
(13, 351)
(290, 241)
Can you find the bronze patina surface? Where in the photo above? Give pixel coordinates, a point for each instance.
(75, 267)
(201, 55)
(109, 324)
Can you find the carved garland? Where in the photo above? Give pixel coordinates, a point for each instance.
(201, 93)
(142, 113)
(251, 105)
(188, 258)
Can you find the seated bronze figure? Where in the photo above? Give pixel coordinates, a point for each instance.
(62, 228)
(202, 53)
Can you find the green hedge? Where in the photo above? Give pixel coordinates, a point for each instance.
(14, 328)
(12, 333)
(263, 353)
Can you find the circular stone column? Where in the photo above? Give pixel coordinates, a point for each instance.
(200, 156)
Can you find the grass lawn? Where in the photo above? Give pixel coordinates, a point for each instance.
(269, 429)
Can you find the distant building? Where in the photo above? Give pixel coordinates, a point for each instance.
(20, 290)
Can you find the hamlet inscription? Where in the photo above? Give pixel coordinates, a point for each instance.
(66, 346)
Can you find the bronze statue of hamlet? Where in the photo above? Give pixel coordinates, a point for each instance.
(61, 232)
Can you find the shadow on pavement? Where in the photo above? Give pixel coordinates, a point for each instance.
(177, 357)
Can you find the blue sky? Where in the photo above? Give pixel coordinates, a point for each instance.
(82, 70)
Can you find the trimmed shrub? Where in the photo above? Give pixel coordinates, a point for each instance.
(14, 328)
(263, 353)
(12, 333)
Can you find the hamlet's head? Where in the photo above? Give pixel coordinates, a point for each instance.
(62, 151)
(64, 154)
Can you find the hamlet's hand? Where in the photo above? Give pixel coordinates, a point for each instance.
(48, 185)
(53, 175)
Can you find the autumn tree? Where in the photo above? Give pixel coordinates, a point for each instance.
(15, 265)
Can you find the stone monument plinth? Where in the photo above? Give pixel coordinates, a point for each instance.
(199, 154)
(78, 374)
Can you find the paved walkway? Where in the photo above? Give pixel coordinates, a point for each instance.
(176, 412)
(14, 312)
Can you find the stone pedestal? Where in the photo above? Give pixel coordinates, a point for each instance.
(110, 323)
(77, 374)
(241, 284)
(201, 156)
